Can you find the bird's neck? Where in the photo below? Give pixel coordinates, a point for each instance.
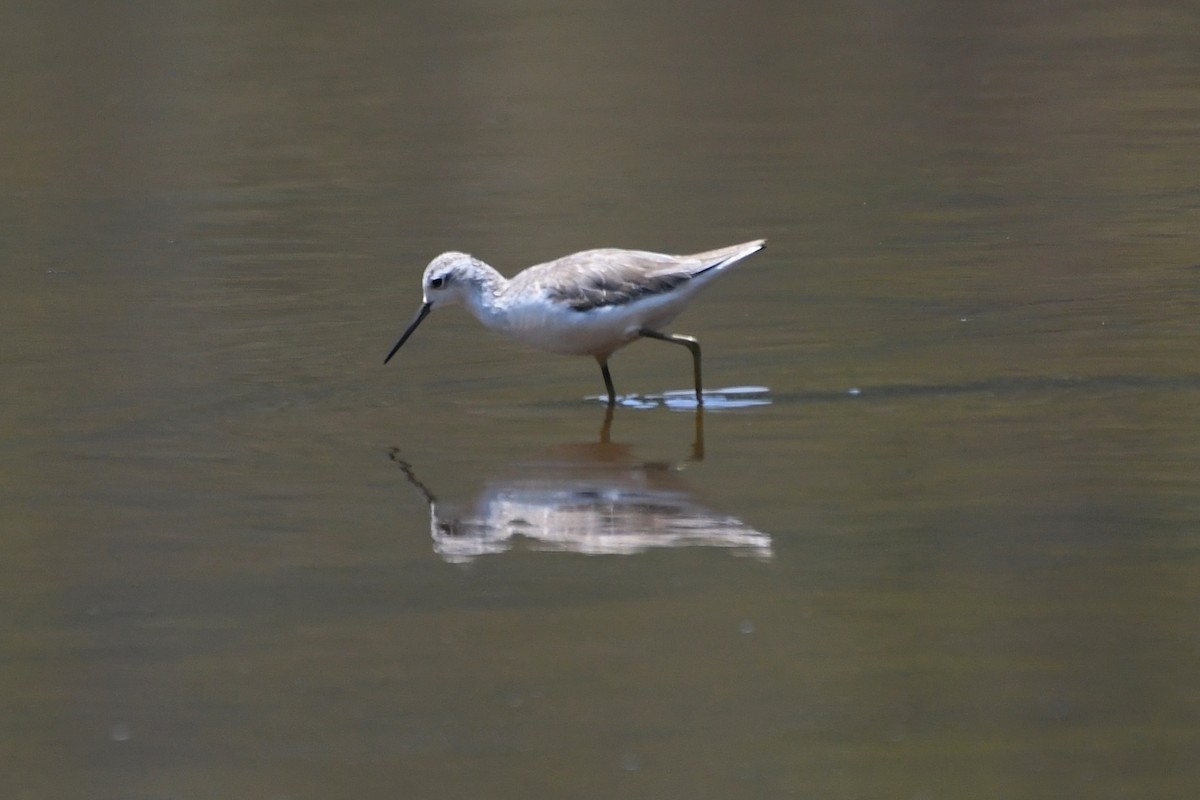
(483, 300)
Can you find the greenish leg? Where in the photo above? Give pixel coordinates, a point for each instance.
(608, 384)
(691, 344)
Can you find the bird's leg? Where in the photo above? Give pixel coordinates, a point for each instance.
(608, 384)
(687, 341)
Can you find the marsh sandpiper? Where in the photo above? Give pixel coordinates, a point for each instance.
(589, 303)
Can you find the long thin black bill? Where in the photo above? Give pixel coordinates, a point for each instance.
(412, 326)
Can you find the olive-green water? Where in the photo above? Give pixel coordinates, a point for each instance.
(950, 550)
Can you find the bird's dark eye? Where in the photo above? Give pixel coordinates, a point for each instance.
(436, 283)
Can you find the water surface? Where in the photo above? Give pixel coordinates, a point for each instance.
(951, 554)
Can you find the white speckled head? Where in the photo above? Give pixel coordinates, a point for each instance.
(449, 277)
(452, 278)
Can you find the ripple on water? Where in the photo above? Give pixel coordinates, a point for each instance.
(685, 399)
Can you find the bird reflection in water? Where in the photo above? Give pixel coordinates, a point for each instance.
(590, 498)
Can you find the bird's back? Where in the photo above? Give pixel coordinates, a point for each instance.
(611, 276)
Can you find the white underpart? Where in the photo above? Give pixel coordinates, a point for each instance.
(558, 328)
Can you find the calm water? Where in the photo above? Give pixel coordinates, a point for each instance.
(953, 551)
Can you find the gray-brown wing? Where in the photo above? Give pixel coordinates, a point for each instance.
(599, 278)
